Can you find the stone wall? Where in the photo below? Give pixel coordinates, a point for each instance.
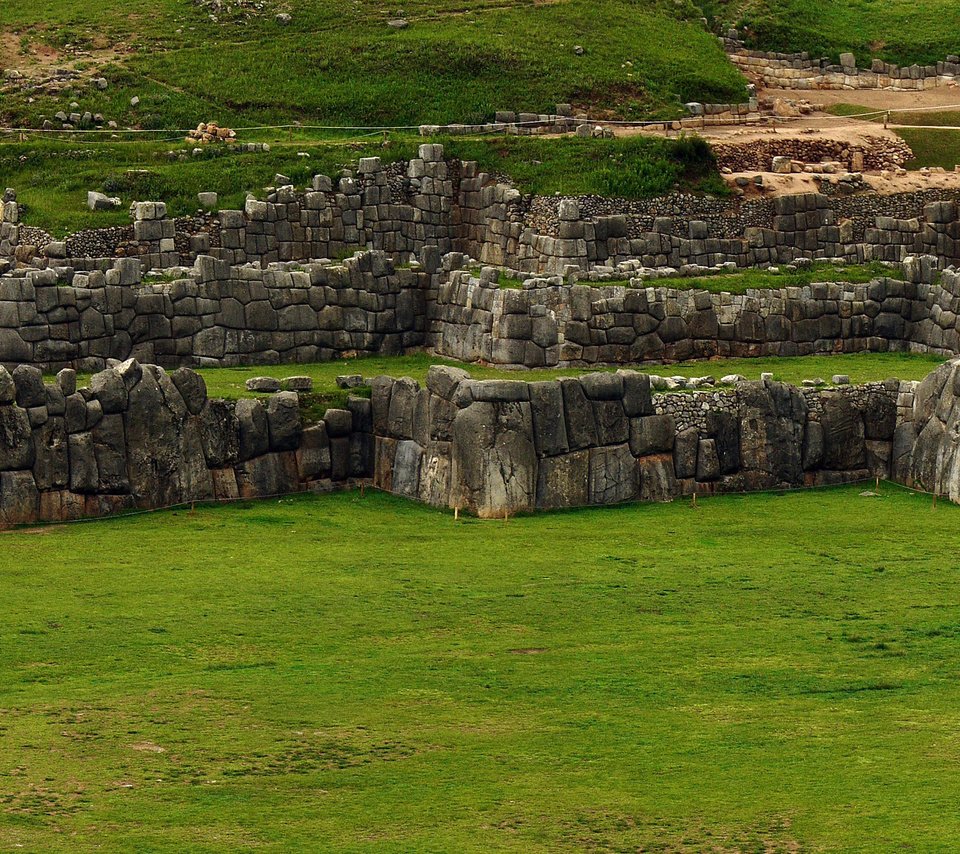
(498, 447)
(138, 437)
(801, 71)
(398, 209)
(549, 322)
(428, 201)
(494, 229)
(874, 153)
(9, 225)
(214, 314)
(218, 315)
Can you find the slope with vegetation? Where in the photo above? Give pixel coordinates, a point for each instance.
(342, 64)
(52, 178)
(906, 32)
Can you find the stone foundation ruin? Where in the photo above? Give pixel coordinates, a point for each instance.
(259, 287)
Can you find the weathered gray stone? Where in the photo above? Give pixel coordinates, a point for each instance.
(29, 382)
(613, 475)
(581, 428)
(339, 422)
(19, 499)
(84, 477)
(313, 455)
(16, 447)
(283, 421)
(651, 434)
(549, 425)
(254, 432)
(8, 388)
(685, 448)
(50, 467)
(110, 390)
(658, 481)
(219, 433)
(494, 458)
(843, 437)
(192, 389)
(708, 463)
(563, 481)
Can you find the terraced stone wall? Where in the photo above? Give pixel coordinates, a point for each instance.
(219, 315)
(138, 437)
(550, 323)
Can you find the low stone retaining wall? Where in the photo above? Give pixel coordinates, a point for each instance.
(800, 71)
(220, 315)
(217, 315)
(403, 208)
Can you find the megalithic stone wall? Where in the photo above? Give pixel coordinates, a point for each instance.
(508, 446)
(216, 315)
(138, 437)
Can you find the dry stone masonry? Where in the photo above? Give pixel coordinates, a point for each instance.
(801, 71)
(140, 437)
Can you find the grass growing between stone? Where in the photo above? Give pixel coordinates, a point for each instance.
(52, 178)
(861, 367)
(817, 273)
(347, 673)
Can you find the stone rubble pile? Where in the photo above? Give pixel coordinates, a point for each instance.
(210, 132)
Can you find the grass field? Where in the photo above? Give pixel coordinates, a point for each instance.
(901, 31)
(341, 64)
(53, 178)
(762, 673)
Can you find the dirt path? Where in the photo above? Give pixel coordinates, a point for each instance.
(874, 99)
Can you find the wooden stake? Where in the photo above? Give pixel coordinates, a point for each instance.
(694, 499)
(456, 513)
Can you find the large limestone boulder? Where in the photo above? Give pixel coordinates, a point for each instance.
(494, 458)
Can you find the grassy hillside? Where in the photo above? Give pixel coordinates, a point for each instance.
(53, 177)
(339, 63)
(761, 673)
(901, 31)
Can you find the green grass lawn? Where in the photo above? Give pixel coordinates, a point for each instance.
(933, 148)
(53, 178)
(347, 673)
(341, 64)
(901, 31)
(930, 147)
